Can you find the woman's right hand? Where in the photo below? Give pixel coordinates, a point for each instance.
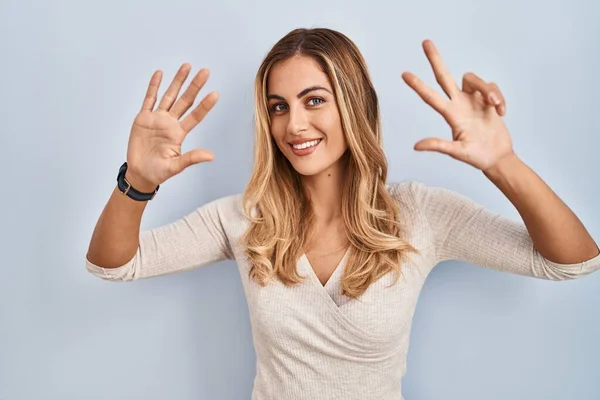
(154, 149)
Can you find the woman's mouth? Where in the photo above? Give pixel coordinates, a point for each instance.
(305, 148)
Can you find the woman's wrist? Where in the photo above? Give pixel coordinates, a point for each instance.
(139, 184)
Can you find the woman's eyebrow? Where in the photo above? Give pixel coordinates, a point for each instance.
(301, 94)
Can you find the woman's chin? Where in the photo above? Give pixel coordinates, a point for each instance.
(307, 170)
(310, 167)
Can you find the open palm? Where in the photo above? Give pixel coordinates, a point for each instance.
(154, 150)
(474, 113)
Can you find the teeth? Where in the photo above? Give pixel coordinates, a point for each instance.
(306, 144)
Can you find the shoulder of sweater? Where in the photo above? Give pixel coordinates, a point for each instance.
(228, 207)
(419, 191)
(405, 190)
(416, 194)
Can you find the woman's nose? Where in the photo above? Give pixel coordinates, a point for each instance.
(297, 121)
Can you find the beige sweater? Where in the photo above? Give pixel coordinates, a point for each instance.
(312, 342)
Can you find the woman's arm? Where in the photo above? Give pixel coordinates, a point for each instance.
(550, 244)
(116, 236)
(197, 239)
(461, 229)
(556, 231)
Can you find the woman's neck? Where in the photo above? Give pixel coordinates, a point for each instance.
(325, 191)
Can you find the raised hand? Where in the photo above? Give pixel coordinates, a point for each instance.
(154, 149)
(479, 136)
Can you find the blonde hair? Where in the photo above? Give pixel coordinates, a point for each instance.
(281, 216)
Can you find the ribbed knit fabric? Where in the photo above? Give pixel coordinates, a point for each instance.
(311, 341)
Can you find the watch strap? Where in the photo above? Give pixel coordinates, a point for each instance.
(128, 190)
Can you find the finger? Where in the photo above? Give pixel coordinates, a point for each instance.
(192, 157)
(187, 99)
(428, 95)
(171, 94)
(490, 91)
(442, 75)
(199, 112)
(502, 107)
(449, 147)
(152, 91)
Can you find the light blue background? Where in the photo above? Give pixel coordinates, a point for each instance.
(73, 76)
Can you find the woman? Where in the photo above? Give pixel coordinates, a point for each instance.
(332, 258)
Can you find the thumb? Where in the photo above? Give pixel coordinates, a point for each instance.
(449, 147)
(192, 157)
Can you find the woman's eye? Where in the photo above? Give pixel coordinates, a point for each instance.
(275, 107)
(318, 100)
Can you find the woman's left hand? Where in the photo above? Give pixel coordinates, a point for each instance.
(479, 136)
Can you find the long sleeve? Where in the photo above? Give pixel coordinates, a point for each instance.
(464, 230)
(197, 239)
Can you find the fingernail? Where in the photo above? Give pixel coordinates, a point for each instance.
(494, 98)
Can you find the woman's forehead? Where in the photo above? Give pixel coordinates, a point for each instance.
(295, 74)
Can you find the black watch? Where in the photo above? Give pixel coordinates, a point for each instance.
(128, 190)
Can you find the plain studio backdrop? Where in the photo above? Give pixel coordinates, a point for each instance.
(73, 76)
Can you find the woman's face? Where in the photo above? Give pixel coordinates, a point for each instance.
(304, 111)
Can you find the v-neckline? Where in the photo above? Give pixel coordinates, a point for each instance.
(334, 275)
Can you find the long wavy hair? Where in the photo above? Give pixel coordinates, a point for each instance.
(280, 213)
